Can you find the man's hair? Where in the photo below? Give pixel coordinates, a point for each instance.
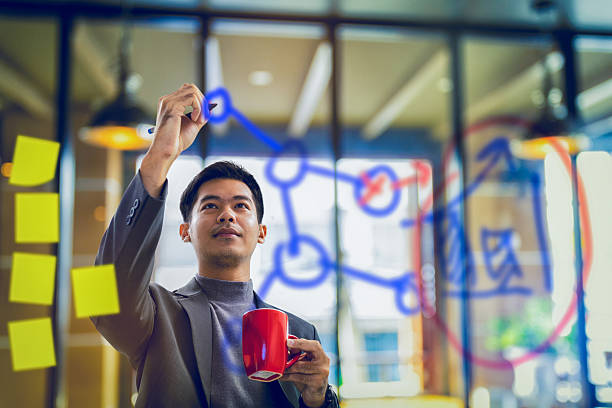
(221, 170)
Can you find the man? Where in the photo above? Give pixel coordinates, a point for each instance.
(178, 341)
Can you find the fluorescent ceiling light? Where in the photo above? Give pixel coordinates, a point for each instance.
(592, 96)
(314, 86)
(17, 87)
(214, 80)
(93, 60)
(598, 127)
(407, 94)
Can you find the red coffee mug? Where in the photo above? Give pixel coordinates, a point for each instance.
(264, 344)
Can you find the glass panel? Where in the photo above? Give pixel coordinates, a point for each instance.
(520, 273)
(96, 372)
(27, 107)
(394, 95)
(271, 83)
(594, 60)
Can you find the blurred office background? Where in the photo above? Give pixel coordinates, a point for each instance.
(451, 261)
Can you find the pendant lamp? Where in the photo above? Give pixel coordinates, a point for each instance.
(122, 124)
(552, 122)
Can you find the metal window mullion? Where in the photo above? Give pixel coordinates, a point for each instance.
(204, 34)
(456, 62)
(565, 41)
(65, 185)
(337, 154)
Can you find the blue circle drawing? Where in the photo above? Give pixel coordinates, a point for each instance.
(301, 173)
(222, 112)
(402, 286)
(324, 262)
(378, 212)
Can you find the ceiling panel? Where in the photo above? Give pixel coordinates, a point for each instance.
(287, 59)
(373, 67)
(30, 46)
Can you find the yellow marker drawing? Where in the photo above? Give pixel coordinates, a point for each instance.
(32, 278)
(34, 161)
(31, 343)
(95, 290)
(36, 217)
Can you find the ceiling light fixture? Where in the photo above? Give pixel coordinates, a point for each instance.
(214, 80)
(313, 89)
(123, 123)
(553, 123)
(260, 78)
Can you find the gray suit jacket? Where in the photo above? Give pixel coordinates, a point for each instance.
(167, 336)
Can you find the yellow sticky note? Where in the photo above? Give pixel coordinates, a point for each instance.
(34, 161)
(31, 343)
(36, 217)
(95, 290)
(32, 278)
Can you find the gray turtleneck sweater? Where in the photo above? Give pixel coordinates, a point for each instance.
(230, 385)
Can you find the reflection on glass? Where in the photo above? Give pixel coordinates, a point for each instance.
(379, 256)
(271, 83)
(520, 231)
(27, 107)
(594, 60)
(395, 92)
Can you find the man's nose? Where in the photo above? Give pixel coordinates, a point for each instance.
(226, 216)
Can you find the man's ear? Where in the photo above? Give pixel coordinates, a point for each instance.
(263, 230)
(184, 232)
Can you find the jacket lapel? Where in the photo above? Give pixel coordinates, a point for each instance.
(291, 392)
(196, 305)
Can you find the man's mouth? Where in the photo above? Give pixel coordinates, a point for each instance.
(226, 233)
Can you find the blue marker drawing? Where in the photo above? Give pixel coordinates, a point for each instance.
(494, 243)
(455, 242)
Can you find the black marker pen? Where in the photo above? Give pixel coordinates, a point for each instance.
(210, 107)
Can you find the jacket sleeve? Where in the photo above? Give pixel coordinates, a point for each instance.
(331, 396)
(129, 243)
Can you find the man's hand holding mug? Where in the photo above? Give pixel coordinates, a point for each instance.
(270, 353)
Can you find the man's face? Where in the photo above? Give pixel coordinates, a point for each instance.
(224, 229)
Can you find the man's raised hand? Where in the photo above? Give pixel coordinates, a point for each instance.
(174, 133)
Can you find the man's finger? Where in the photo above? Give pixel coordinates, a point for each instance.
(303, 367)
(196, 103)
(194, 98)
(199, 105)
(311, 346)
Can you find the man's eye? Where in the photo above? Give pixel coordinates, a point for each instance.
(242, 205)
(209, 205)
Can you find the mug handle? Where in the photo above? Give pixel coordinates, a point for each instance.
(295, 358)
